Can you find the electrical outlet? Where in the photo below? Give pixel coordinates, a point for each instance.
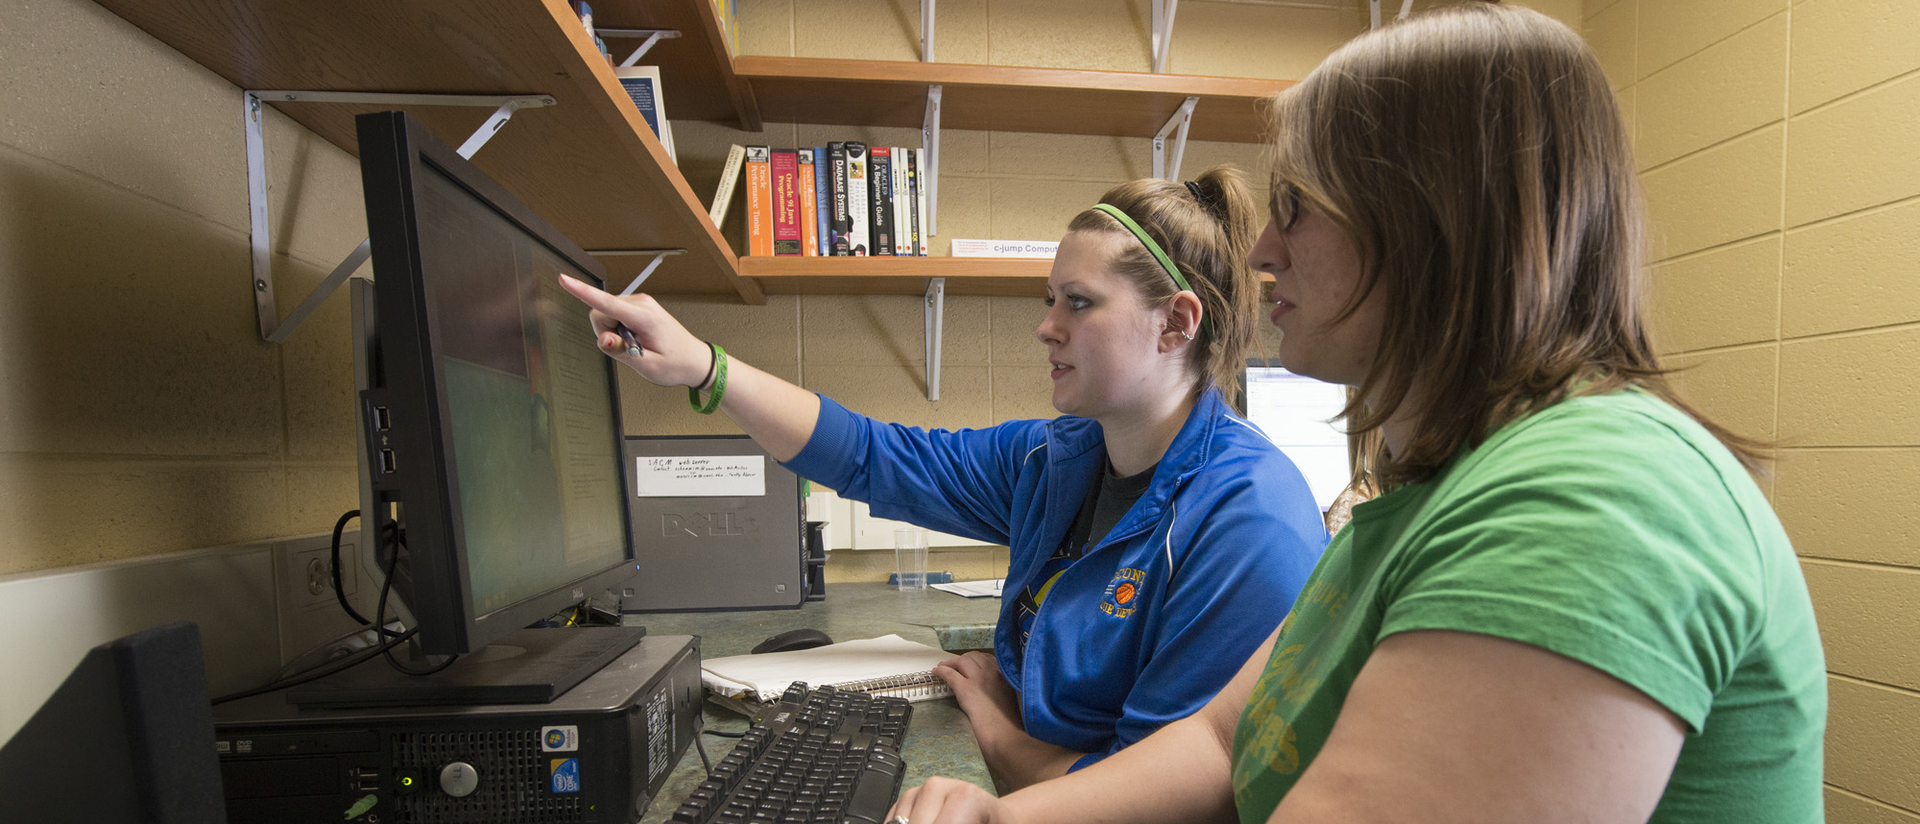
(307, 578)
(308, 612)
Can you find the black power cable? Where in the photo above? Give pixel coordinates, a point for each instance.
(395, 639)
(380, 614)
(339, 591)
(319, 671)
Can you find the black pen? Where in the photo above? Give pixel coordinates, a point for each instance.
(633, 344)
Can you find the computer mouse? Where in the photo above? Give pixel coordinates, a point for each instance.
(793, 639)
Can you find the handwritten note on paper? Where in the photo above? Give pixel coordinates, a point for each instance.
(703, 476)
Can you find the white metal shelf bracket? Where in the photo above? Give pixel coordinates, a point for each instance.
(658, 256)
(930, 140)
(1163, 32)
(272, 329)
(935, 313)
(1373, 12)
(926, 31)
(652, 36)
(1181, 120)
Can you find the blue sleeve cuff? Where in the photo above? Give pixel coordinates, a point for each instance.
(834, 450)
(1087, 760)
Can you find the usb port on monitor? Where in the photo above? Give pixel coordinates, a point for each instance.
(386, 460)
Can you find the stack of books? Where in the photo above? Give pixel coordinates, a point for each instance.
(844, 199)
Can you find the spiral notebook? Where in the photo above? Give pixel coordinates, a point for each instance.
(888, 665)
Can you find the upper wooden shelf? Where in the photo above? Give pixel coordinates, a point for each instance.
(1002, 98)
(1007, 277)
(589, 165)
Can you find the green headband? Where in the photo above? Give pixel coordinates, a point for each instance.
(1153, 248)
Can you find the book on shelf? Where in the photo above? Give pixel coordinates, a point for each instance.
(786, 203)
(923, 228)
(888, 665)
(729, 19)
(822, 202)
(585, 12)
(759, 202)
(880, 193)
(809, 193)
(902, 204)
(642, 84)
(837, 178)
(912, 234)
(859, 238)
(729, 181)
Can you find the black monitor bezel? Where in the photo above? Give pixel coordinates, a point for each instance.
(434, 580)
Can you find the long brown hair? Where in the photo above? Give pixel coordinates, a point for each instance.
(1206, 229)
(1478, 159)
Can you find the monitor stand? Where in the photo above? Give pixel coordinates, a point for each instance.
(530, 666)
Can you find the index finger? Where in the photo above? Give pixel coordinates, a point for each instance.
(594, 298)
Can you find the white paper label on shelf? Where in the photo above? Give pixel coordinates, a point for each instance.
(700, 476)
(963, 247)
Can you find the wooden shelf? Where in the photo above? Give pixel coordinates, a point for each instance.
(1006, 277)
(589, 165)
(1002, 98)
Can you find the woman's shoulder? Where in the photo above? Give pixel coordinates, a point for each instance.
(1631, 421)
(1627, 443)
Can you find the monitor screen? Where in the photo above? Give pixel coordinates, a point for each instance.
(502, 446)
(1298, 413)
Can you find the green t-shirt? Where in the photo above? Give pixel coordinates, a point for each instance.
(1610, 529)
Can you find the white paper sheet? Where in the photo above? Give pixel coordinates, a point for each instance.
(700, 476)
(768, 674)
(974, 589)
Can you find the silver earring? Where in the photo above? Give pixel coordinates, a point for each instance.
(1187, 336)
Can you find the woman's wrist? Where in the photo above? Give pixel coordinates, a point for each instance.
(713, 362)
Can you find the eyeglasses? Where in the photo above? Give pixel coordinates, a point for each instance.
(1284, 206)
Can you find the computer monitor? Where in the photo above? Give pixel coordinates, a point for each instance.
(127, 737)
(491, 421)
(1297, 413)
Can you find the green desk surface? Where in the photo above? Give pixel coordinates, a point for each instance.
(939, 742)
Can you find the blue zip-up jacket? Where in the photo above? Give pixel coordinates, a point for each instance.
(1150, 623)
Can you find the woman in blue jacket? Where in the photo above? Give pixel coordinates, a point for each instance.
(1157, 537)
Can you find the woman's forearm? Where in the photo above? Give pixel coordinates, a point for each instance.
(776, 414)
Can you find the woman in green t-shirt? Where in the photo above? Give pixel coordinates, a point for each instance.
(1572, 602)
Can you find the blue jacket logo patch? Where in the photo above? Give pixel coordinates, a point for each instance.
(1122, 591)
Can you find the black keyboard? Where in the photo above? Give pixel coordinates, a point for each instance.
(819, 756)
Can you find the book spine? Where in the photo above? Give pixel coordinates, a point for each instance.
(881, 186)
(809, 191)
(729, 180)
(786, 203)
(858, 238)
(759, 202)
(822, 200)
(901, 225)
(913, 202)
(837, 208)
(920, 203)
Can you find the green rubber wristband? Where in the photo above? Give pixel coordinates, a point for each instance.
(719, 384)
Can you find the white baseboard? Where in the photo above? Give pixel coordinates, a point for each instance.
(233, 593)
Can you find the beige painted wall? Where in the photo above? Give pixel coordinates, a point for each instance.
(1777, 142)
(139, 410)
